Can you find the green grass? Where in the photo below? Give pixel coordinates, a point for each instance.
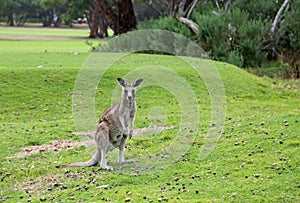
(255, 160)
(78, 33)
(41, 31)
(8, 47)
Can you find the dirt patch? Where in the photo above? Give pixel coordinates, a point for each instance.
(34, 186)
(2, 199)
(59, 182)
(54, 146)
(60, 145)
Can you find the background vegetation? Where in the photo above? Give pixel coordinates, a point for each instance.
(234, 31)
(255, 160)
(241, 34)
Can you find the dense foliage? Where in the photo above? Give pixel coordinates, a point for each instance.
(241, 35)
(46, 11)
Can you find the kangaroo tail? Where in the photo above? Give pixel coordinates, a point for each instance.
(89, 163)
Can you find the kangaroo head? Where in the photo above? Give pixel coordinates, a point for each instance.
(128, 92)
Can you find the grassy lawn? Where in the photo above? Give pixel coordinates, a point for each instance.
(43, 31)
(256, 158)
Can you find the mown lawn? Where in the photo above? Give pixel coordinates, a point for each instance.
(43, 31)
(255, 160)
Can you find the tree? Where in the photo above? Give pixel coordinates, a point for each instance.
(98, 22)
(52, 11)
(78, 9)
(26, 8)
(120, 20)
(9, 8)
(90, 10)
(2, 4)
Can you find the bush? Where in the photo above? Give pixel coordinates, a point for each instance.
(234, 37)
(213, 35)
(236, 58)
(179, 46)
(287, 40)
(248, 38)
(167, 23)
(257, 10)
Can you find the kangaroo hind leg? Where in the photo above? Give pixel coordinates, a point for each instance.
(121, 152)
(102, 139)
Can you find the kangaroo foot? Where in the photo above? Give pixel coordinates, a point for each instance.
(109, 168)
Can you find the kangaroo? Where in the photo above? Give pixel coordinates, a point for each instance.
(112, 129)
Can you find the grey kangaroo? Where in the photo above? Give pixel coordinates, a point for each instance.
(112, 129)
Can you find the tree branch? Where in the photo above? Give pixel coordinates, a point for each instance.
(192, 8)
(181, 10)
(217, 3)
(277, 17)
(227, 5)
(191, 24)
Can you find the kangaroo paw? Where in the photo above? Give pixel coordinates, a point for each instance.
(109, 168)
(130, 134)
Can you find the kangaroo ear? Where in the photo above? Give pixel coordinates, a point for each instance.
(121, 82)
(138, 82)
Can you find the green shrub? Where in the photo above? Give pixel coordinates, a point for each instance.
(263, 9)
(247, 38)
(236, 58)
(289, 29)
(233, 37)
(167, 23)
(287, 40)
(213, 35)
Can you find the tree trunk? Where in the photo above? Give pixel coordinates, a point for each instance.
(88, 17)
(98, 23)
(103, 28)
(95, 20)
(127, 19)
(110, 15)
(122, 20)
(10, 18)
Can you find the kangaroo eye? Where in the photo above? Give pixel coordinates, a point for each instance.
(126, 91)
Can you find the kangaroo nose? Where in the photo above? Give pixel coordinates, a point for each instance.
(130, 97)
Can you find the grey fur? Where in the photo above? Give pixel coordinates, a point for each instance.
(112, 129)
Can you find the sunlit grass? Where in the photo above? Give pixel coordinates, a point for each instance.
(42, 31)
